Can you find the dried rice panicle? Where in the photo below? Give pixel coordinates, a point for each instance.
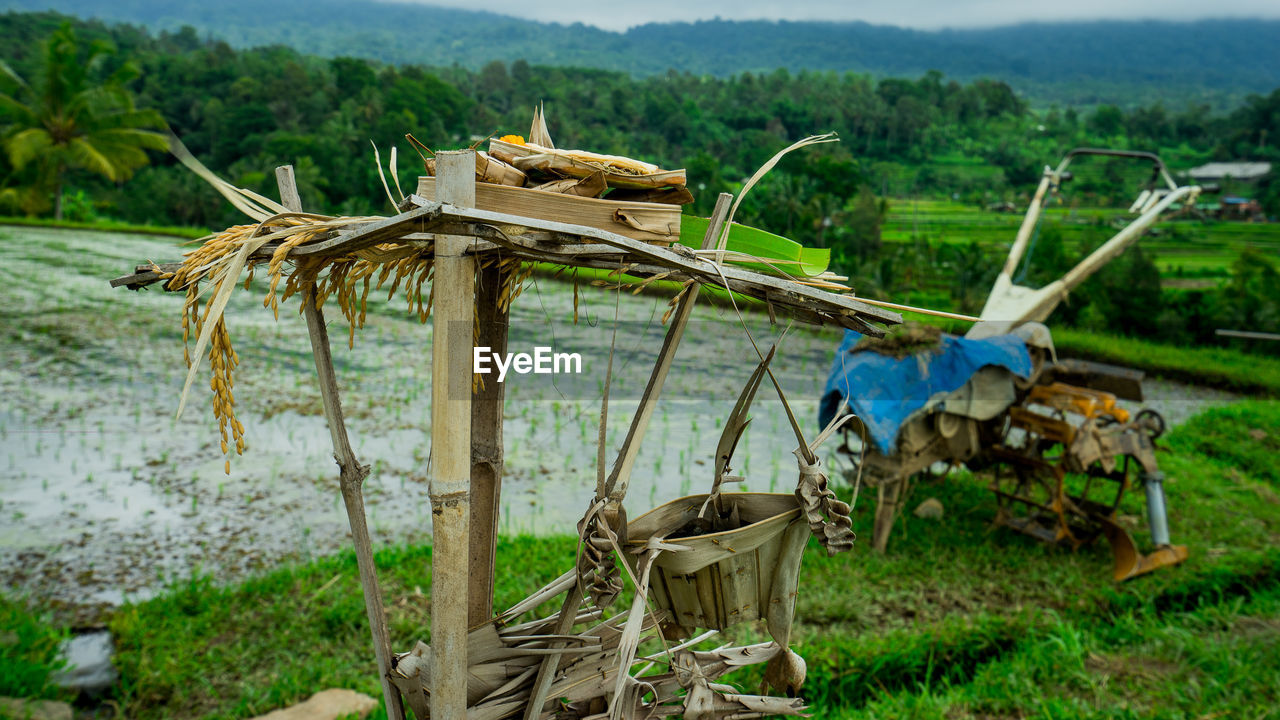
(515, 273)
(200, 264)
(675, 301)
(275, 269)
(348, 279)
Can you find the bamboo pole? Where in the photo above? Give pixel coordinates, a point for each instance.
(486, 448)
(351, 473)
(1247, 334)
(451, 343)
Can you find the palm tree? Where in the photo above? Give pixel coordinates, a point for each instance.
(69, 119)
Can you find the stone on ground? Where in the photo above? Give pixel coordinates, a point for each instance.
(930, 509)
(89, 669)
(326, 705)
(34, 709)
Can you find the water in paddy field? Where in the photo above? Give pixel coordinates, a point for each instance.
(105, 495)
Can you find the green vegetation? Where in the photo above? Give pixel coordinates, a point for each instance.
(1182, 247)
(1183, 281)
(29, 643)
(106, 225)
(1240, 436)
(957, 621)
(1140, 62)
(955, 149)
(280, 637)
(243, 112)
(72, 118)
(1227, 368)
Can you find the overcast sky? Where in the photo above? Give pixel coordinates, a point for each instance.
(923, 14)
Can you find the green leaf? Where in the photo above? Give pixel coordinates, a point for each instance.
(780, 254)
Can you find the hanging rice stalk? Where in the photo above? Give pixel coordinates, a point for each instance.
(220, 259)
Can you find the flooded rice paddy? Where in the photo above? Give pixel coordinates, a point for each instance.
(105, 495)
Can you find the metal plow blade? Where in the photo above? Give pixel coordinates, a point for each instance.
(1129, 562)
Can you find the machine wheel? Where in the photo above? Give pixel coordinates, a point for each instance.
(1028, 491)
(1037, 496)
(1151, 422)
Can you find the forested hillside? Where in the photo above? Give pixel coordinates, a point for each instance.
(1079, 63)
(974, 144)
(244, 111)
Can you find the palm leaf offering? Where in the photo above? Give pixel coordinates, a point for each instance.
(533, 178)
(759, 250)
(538, 163)
(619, 172)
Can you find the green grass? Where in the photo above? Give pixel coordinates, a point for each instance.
(229, 652)
(1217, 661)
(29, 643)
(958, 620)
(1218, 367)
(1181, 247)
(1239, 436)
(106, 226)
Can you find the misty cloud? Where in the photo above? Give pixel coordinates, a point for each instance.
(922, 14)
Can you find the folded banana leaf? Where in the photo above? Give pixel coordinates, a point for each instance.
(777, 252)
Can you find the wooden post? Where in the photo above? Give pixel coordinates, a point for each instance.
(351, 473)
(889, 497)
(486, 448)
(451, 361)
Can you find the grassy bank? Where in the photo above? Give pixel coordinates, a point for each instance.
(959, 620)
(106, 226)
(29, 641)
(1224, 368)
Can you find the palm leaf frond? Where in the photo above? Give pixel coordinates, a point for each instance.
(92, 158)
(27, 145)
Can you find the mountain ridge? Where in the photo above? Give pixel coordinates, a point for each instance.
(1080, 63)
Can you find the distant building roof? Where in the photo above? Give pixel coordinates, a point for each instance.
(1235, 170)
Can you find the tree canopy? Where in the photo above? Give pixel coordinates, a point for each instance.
(74, 115)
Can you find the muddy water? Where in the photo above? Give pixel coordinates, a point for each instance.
(105, 495)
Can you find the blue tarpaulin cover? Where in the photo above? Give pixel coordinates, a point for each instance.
(884, 391)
